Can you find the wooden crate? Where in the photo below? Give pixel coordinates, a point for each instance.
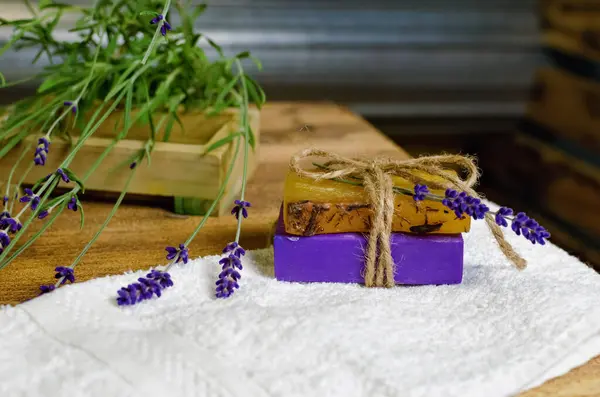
(179, 168)
(568, 107)
(572, 26)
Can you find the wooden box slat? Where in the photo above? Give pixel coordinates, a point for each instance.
(178, 168)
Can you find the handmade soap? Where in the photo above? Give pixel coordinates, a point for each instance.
(328, 206)
(432, 259)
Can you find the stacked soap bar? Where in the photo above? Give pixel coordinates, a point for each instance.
(321, 234)
(326, 207)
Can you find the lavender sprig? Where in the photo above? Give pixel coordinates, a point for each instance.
(165, 25)
(63, 175)
(63, 274)
(178, 254)
(41, 152)
(31, 197)
(240, 208)
(153, 285)
(464, 205)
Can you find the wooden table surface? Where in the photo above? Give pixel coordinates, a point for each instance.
(136, 237)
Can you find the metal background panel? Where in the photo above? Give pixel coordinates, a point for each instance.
(382, 58)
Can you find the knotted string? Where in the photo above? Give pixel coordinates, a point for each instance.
(376, 175)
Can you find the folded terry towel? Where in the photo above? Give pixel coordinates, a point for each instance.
(500, 332)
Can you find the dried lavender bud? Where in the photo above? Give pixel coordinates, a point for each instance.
(235, 249)
(181, 254)
(13, 225)
(163, 278)
(72, 204)
(133, 165)
(31, 197)
(4, 240)
(530, 229)
(73, 109)
(420, 192)
(229, 276)
(41, 151)
(4, 215)
(4, 200)
(145, 288)
(166, 26)
(501, 215)
(461, 203)
(156, 19)
(43, 214)
(240, 206)
(66, 273)
(64, 176)
(46, 288)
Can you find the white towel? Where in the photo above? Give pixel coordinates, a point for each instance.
(500, 332)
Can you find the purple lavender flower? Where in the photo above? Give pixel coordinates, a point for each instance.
(43, 214)
(133, 165)
(72, 204)
(145, 288)
(240, 205)
(156, 19)
(501, 215)
(11, 224)
(46, 288)
(4, 215)
(162, 278)
(235, 249)
(4, 240)
(420, 192)
(181, 254)
(229, 276)
(165, 25)
(73, 108)
(461, 203)
(4, 200)
(66, 273)
(64, 176)
(41, 151)
(530, 229)
(31, 197)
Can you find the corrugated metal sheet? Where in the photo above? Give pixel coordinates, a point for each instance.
(381, 57)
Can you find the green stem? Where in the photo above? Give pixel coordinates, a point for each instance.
(18, 187)
(156, 32)
(13, 169)
(28, 222)
(35, 236)
(110, 215)
(244, 122)
(215, 201)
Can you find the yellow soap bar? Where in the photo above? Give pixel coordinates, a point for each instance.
(326, 206)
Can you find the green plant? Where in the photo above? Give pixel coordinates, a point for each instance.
(127, 57)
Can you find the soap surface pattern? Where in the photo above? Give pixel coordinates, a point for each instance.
(326, 206)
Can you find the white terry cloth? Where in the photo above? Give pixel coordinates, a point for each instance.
(500, 332)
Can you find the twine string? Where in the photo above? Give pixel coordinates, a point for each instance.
(376, 175)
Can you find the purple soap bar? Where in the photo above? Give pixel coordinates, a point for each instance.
(339, 258)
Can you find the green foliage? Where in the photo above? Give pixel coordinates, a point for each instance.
(113, 38)
(119, 62)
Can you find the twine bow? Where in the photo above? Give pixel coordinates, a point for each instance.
(376, 177)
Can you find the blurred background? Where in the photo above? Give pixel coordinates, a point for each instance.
(515, 82)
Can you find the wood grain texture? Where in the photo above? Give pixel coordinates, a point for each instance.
(180, 167)
(136, 237)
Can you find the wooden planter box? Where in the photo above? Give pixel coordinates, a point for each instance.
(179, 168)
